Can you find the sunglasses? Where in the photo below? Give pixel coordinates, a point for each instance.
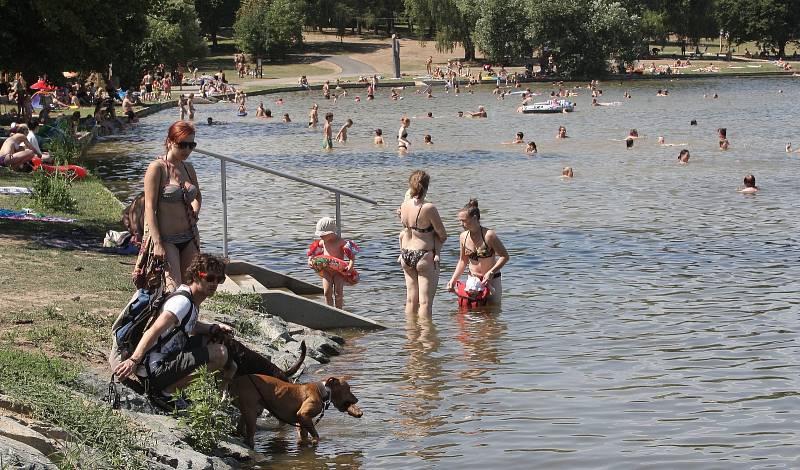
(212, 278)
(186, 145)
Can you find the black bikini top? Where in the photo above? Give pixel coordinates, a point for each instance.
(416, 221)
(477, 253)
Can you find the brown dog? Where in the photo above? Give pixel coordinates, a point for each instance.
(291, 403)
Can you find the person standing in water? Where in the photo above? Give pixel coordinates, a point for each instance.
(402, 135)
(313, 117)
(327, 132)
(481, 251)
(422, 235)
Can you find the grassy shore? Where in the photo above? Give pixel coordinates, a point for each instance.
(60, 291)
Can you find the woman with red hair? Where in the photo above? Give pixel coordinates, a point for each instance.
(172, 204)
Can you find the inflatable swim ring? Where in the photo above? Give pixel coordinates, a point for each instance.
(467, 299)
(322, 263)
(72, 171)
(242, 114)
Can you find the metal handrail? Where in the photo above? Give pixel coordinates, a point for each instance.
(223, 183)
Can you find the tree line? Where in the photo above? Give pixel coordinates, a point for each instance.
(583, 35)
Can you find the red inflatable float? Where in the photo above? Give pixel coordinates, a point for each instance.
(72, 171)
(471, 299)
(321, 263)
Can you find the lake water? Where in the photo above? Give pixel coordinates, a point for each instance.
(649, 317)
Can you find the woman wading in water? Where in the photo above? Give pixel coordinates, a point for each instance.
(482, 251)
(423, 234)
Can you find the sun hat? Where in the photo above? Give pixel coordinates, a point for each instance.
(325, 226)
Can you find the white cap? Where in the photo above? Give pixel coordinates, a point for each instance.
(325, 226)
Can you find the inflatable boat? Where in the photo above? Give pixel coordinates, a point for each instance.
(553, 106)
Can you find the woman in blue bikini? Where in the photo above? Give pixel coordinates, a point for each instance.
(423, 234)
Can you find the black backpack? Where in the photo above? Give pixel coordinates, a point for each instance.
(140, 313)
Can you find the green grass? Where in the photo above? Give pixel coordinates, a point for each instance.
(43, 384)
(97, 209)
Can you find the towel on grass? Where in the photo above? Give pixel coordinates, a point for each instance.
(28, 214)
(15, 190)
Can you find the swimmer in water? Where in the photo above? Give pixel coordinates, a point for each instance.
(683, 157)
(517, 139)
(562, 133)
(242, 111)
(480, 113)
(279, 101)
(749, 185)
(531, 148)
(286, 118)
(378, 140)
(342, 135)
(427, 139)
(723, 138)
(661, 140)
(461, 114)
(566, 173)
(789, 148)
(693, 122)
(260, 110)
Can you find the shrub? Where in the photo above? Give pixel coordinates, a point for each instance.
(207, 418)
(52, 192)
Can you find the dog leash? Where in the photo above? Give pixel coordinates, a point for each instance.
(272, 412)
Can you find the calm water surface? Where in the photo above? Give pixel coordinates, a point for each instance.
(650, 311)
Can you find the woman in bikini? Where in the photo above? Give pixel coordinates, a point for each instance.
(16, 151)
(402, 135)
(172, 204)
(420, 240)
(481, 251)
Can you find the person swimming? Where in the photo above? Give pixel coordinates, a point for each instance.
(562, 133)
(378, 140)
(531, 148)
(723, 138)
(749, 185)
(683, 157)
(567, 172)
(427, 139)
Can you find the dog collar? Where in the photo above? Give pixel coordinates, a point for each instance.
(324, 391)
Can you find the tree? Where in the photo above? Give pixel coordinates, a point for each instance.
(215, 13)
(693, 19)
(268, 28)
(173, 34)
(583, 35)
(452, 20)
(771, 22)
(89, 35)
(500, 35)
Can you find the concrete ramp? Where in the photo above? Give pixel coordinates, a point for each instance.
(289, 298)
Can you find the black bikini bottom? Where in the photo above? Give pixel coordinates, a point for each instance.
(412, 257)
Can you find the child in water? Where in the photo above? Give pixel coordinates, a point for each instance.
(335, 273)
(342, 135)
(378, 140)
(327, 131)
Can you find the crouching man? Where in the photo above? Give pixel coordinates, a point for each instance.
(167, 360)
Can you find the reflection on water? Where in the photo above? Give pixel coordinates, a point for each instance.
(649, 311)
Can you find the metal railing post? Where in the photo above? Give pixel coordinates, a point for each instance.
(338, 214)
(223, 185)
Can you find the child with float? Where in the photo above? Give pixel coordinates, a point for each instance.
(326, 256)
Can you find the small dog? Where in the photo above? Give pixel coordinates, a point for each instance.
(291, 403)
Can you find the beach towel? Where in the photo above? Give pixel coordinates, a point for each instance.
(15, 190)
(29, 214)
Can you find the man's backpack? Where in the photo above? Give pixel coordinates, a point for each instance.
(140, 313)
